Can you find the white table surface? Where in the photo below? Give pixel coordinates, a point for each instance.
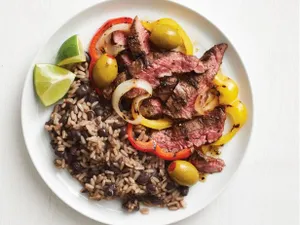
(265, 189)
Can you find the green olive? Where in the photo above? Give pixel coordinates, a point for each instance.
(183, 172)
(105, 71)
(166, 37)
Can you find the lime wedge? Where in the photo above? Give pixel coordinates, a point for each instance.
(71, 51)
(51, 82)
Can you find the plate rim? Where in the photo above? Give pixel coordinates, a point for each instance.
(188, 213)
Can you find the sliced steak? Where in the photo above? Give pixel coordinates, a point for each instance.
(107, 92)
(195, 132)
(134, 93)
(138, 39)
(164, 64)
(180, 104)
(166, 87)
(207, 164)
(151, 108)
(119, 37)
(136, 67)
(124, 59)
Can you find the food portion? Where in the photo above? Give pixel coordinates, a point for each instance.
(183, 172)
(165, 37)
(142, 118)
(71, 51)
(51, 82)
(105, 71)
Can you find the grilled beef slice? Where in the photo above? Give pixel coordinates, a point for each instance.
(196, 132)
(151, 108)
(164, 64)
(180, 105)
(138, 39)
(124, 59)
(161, 65)
(166, 87)
(207, 164)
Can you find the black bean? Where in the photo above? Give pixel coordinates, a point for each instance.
(53, 136)
(69, 106)
(76, 167)
(110, 190)
(92, 98)
(64, 119)
(123, 131)
(90, 115)
(126, 170)
(94, 171)
(60, 154)
(53, 144)
(117, 125)
(99, 111)
(73, 151)
(49, 122)
(105, 115)
(170, 186)
(88, 57)
(184, 190)
(140, 154)
(155, 200)
(83, 90)
(69, 158)
(143, 179)
(84, 190)
(85, 134)
(74, 135)
(151, 188)
(115, 169)
(102, 132)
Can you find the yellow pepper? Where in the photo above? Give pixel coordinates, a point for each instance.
(158, 124)
(227, 88)
(187, 44)
(238, 113)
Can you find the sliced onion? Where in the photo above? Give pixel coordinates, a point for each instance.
(203, 106)
(122, 89)
(105, 43)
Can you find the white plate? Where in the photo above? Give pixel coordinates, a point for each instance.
(34, 115)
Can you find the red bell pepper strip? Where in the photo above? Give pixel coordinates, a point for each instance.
(152, 147)
(93, 50)
(182, 154)
(148, 146)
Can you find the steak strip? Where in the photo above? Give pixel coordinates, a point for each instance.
(192, 133)
(207, 164)
(138, 39)
(180, 105)
(164, 64)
